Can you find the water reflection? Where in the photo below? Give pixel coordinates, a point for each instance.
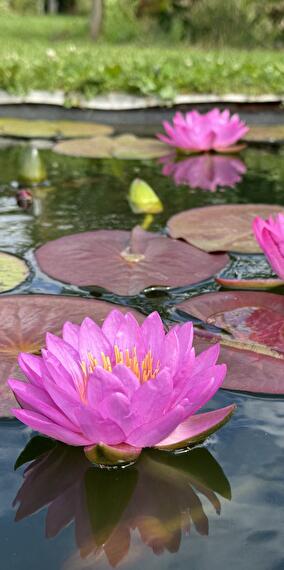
(161, 498)
(206, 171)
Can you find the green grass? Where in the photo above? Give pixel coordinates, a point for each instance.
(55, 52)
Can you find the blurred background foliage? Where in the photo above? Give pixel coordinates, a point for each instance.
(235, 23)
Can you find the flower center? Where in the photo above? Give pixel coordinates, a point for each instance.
(144, 370)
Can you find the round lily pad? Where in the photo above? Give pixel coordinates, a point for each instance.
(27, 318)
(31, 129)
(127, 147)
(263, 134)
(221, 228)
(13, 271)
(253, 349)
(126, 262)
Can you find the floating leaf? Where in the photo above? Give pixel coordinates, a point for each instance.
(13, 271)
(273, 134)
(31, 129)
(31, 167)
(221, 228)
(142, 198)
(248, 272)
(26, 320)
(254, 346)
(123, 147)
(126, 262)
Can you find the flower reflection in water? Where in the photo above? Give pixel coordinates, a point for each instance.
(205, 171)
(160, 497)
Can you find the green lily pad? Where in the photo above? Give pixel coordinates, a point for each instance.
(125, 147)
(13, 271)
(30, 129)
(272, 134)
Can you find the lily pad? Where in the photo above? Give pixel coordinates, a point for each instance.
(253, 349)
(126, 147)
(31, 129)
(248, 272)
(221, 228)
(27, 318)
(263, 134)
(126, 262)
(13, 271)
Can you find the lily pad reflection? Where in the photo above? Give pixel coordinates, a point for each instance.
(161, 498)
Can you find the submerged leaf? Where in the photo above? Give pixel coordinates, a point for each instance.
(126, 262)
(221, 228)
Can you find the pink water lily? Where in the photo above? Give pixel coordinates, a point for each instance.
(120, 388)
(270, 236)
(193, 132)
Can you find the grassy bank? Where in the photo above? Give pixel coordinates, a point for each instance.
(55, 52)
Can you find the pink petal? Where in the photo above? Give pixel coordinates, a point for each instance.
(154, 334)
(152, 398)
(31, 366)
(151, 433)
(197, 428)
(70, 334)
(129, 336)
(97, 429)
(111, 324)
(92, 341)
(37, 400)
(40, 423)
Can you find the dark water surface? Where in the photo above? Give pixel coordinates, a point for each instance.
(219, 506)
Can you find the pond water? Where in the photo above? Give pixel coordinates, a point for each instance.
(222, 504)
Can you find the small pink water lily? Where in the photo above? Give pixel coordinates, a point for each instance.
(205, 171)
(121, 387)
(193, 132)
(270, 236)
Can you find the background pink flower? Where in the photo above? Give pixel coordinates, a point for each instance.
(270, 236)
(216, 130)
(120, 388)
(205, 171)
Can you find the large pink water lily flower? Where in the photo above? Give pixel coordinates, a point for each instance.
(193, 132)
(270, 236)
(120, 388)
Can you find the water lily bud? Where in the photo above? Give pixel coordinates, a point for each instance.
(142, 198)
(31, 167)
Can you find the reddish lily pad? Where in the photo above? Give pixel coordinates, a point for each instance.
(126, 147)
(126, 262)
(259, 284)
(221, 228)
(27, 318)
(254, 347)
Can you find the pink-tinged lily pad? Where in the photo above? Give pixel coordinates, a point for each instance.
(26, 319)
(221, 228)
(254, 347)
(197, 428)
(126, 262)
(259, 284)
